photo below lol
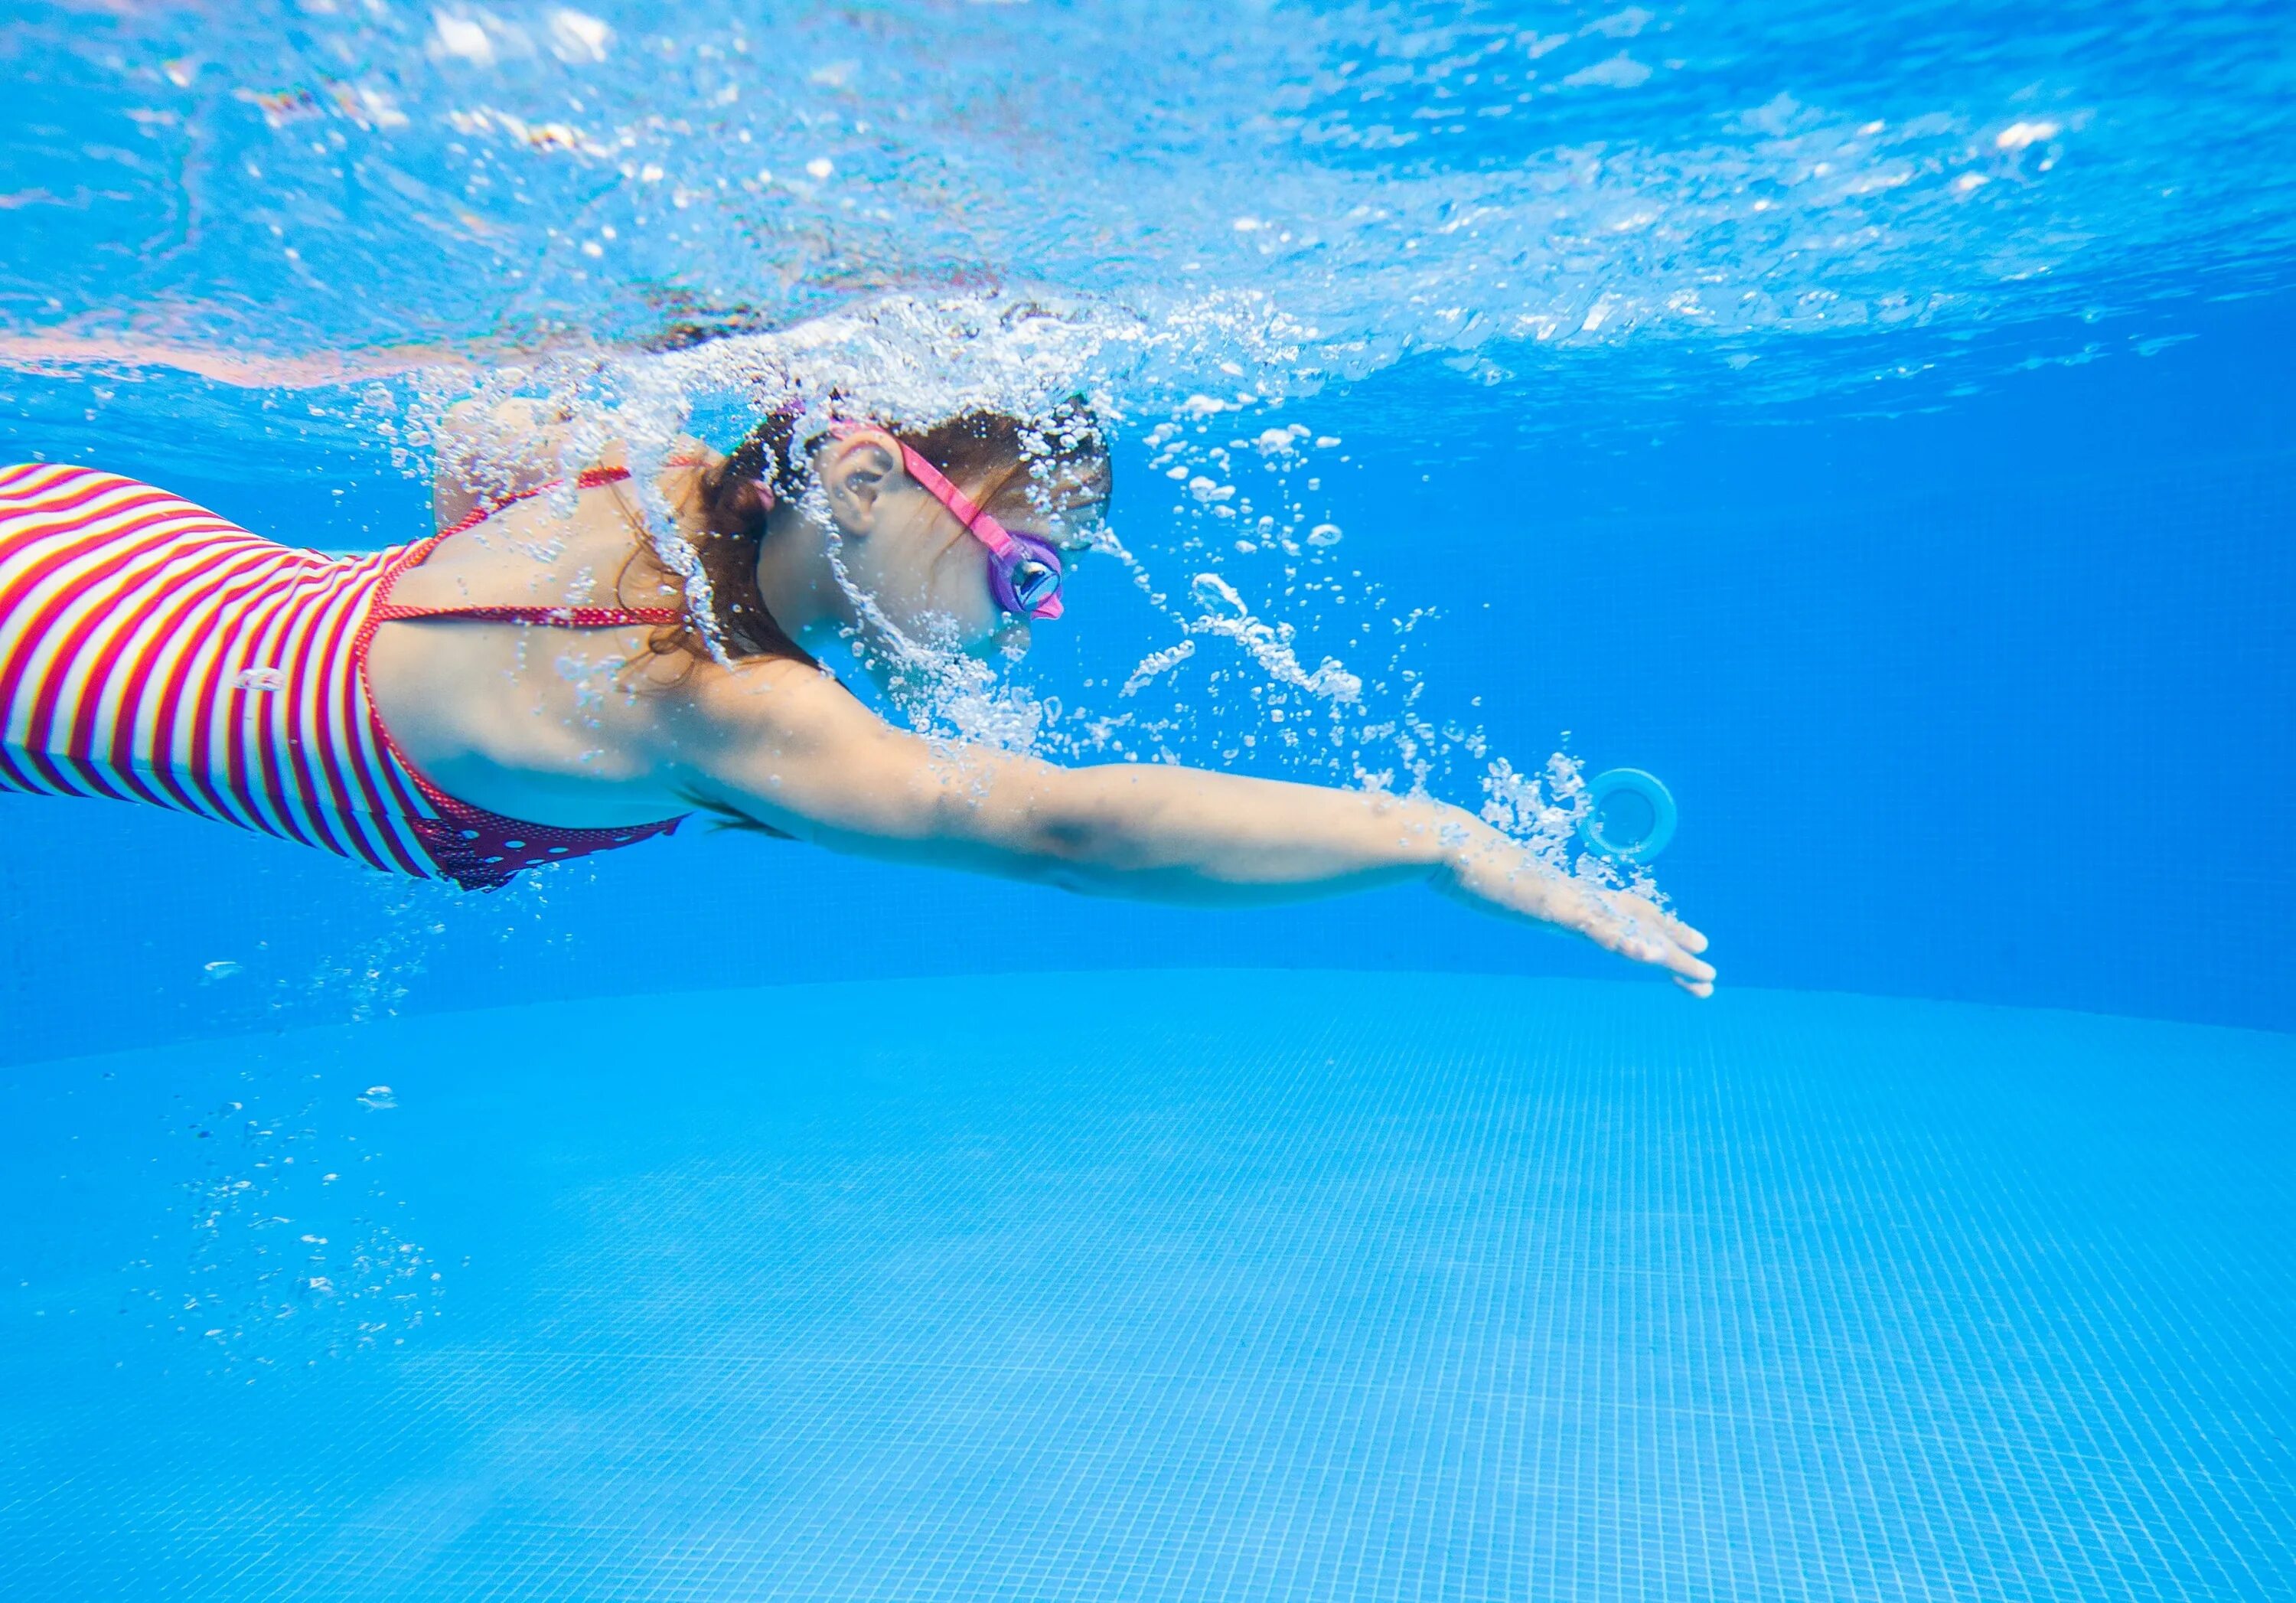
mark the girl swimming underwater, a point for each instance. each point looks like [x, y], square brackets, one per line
[546, 679]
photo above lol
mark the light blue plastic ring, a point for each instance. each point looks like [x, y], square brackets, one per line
[1600, 788]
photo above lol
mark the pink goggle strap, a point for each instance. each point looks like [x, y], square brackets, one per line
[977, 523]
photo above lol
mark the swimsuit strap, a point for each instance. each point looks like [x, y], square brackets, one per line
[388, 610]
[561, 617]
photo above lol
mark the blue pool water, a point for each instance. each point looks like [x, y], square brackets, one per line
[1873, 423]
[1238, 1286]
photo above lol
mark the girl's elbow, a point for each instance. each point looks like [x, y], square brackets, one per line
[1063, 840]
[1072, 836]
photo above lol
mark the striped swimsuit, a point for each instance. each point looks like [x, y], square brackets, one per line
[151, 651]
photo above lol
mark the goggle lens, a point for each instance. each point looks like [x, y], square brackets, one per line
[1034, 583]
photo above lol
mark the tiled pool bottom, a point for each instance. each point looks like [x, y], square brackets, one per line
[1219, 1285]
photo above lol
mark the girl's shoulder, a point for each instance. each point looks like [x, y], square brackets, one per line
[571, 547]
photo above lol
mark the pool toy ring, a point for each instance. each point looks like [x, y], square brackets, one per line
[1631, 782]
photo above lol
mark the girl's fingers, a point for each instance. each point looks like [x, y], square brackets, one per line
[1620, 922]
[1633, 928]
[1680, 963]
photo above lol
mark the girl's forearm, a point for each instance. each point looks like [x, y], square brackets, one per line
[1175, 834]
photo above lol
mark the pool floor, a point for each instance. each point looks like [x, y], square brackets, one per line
[1219, 1285]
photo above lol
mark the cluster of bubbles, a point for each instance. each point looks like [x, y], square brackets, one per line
[287, 1252]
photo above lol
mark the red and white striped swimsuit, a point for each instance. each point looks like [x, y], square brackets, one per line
[151, 651]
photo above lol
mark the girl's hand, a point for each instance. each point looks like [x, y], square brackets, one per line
[1493, 872]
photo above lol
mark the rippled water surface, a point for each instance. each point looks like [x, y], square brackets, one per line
[1296, 190]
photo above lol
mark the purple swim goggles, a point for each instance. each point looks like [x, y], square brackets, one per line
[1024, 572]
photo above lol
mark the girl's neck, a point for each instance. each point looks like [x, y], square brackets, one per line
[795, 578]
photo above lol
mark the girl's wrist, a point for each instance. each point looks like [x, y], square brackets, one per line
[1464, 844]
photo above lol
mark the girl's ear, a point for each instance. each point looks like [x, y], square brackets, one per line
[858, 470]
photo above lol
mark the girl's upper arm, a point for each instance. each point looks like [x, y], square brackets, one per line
[782, 742]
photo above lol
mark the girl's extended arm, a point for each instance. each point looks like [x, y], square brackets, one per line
[784, 744]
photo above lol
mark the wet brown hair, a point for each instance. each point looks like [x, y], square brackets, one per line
[999, 459]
